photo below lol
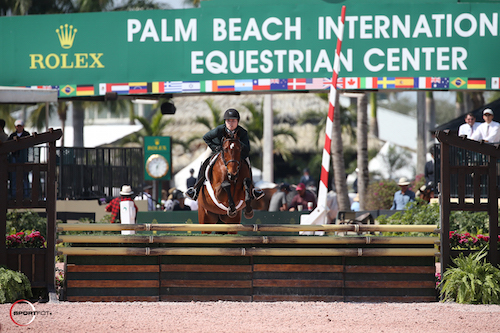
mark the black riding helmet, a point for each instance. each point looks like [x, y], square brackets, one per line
[231, 114]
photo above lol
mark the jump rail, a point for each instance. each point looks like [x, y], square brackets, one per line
[246, 239]
[211, 251]
[250, 227]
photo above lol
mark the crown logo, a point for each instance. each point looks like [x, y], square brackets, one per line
[157, 142]
[66, 36]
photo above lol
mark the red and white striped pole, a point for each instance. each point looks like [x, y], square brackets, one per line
[325, 164]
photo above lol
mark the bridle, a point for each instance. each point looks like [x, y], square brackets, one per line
[226, 163]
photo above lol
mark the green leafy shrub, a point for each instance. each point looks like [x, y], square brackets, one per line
[381, 194]
[472, 281]
[473, 222]
[426, 214]
[13, 286]
[27, 220]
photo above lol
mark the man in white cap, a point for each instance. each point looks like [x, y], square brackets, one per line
[403, 196]
[488, 131]
[114, 205]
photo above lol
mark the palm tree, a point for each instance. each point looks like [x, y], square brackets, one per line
[255, 128]
[373, 114]
[338, 161]
[362, 147]
[5, 111]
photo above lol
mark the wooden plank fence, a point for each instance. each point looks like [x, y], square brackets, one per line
[249, 268]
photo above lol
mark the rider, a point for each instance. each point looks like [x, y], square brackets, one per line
[213, 138]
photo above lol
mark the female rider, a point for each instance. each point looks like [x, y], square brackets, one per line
[213, 138]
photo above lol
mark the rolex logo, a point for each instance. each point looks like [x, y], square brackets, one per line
[66, 36]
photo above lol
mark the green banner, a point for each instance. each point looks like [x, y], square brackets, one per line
[227, 46]
[157, 158]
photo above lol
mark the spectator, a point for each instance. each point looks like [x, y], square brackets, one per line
[470, 125]
[429, 168]
[3, 135]
[114, 206]
[355, 184]
[488, 131]
[169, 203]
[403, 196]
[179, 201]
[426, 192]
[306, 178]
[146, 195]
[191, 180]
[19, 156]
[300, 200]
[355, 203]
[278, 200]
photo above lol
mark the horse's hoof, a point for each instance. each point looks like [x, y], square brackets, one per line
[249, 214]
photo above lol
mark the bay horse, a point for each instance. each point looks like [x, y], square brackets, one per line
[228, 185]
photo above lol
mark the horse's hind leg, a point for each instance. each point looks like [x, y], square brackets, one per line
[248, 198]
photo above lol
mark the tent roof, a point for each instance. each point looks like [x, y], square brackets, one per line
[455, 123]
[19, 95]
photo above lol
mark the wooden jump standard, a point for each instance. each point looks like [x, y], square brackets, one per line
[249, 268]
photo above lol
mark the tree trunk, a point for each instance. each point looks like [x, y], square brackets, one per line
[373, 114]
[338, 161]
[459, 104]
[421, 143]
[78, 117]
[477, 99]
[430, 115]
[362, 137]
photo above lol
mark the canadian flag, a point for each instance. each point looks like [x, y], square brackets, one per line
[351, 82]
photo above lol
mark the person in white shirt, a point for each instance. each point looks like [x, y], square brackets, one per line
[470, 125]
[488, 131]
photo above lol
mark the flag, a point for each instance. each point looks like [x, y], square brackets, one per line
[208, 86]
[351, 82]
[368, 83]
[279, 84]
[340, 83]
[495, 83]
[404, 82]
[156, 87]
[225, 85]
[172, 86]
[476, 83]
[243, 85]
[119, 88]
[458, 83]
[386, 82]
[190, 86]
[138, 87]
[102, 88]
[261, 84]
[327, 83]
[296, 84]
[316, 83]
[422, 83]
[68, 90]
[440, 82]
[85, 90]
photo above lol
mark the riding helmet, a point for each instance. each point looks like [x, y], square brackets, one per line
[231, 114]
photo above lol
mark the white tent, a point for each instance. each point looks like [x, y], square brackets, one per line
[181, 176]
[378, 164]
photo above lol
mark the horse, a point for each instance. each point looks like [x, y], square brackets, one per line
[228, 186]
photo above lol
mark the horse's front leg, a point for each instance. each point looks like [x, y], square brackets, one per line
[248, 198]
[226, 186]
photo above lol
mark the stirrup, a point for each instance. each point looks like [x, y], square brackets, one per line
[257, 193]
[192, 193]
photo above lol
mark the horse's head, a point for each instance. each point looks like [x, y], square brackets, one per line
[231, 155]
